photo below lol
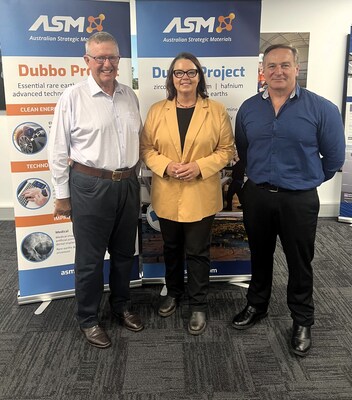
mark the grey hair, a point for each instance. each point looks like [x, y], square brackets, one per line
[293, 50]
[100, 37]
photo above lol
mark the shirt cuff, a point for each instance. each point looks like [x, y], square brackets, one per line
[62, 191]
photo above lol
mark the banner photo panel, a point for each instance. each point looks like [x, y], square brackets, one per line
[345, 214]
[224, 36]
[42, 54]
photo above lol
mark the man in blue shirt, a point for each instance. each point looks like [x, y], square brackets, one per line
[291, 141]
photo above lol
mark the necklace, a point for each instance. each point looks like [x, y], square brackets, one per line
[183, 106]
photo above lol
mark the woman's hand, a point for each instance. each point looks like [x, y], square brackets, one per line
[172, 168]
[184, 172]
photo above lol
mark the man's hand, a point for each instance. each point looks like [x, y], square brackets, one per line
[62, 207]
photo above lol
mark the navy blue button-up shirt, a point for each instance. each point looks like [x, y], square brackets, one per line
[297, 149]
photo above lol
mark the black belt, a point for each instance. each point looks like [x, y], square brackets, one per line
[116, 175]
[272, 188]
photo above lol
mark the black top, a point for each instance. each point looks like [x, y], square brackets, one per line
[184, 116]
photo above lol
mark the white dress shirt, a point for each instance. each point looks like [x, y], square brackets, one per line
[94, 129]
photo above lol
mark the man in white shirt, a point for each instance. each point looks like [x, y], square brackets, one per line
[93, 152]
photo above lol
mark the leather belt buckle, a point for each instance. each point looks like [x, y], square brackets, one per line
[116, 176]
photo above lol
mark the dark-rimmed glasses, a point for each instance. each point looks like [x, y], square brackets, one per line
[191, 73]
[102, 59]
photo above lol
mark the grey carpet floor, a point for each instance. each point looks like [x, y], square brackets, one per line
[45, 357]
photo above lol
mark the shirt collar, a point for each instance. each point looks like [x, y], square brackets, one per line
[295, 92]
[95, 88]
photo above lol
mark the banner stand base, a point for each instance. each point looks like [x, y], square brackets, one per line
[240, 284]
[42, 307]
[347, 220]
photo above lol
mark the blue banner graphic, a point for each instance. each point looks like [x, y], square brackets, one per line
[207, 28]
[60, 29]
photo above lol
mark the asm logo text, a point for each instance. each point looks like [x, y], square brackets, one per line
[190, 24]
[58, 23]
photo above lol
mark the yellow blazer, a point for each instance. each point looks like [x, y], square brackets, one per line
[209, 142]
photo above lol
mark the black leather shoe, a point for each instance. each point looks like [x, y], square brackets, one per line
[130, 321]
[248, 317]
[168, 306]
[301, 340]
[97, 337]
[197, 323]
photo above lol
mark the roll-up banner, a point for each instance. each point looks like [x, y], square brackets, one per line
[224, 35]
[42, 45]
[345, 214]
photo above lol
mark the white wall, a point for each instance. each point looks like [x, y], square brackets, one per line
[6, 200]
[327, 21]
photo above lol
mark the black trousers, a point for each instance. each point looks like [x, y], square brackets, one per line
[235, 187]
[291, 215]
[188, 244]
[105, 218]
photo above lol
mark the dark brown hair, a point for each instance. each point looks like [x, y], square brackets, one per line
[170, 88]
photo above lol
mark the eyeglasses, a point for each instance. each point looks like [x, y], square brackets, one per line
[101, 59]
[191, 73]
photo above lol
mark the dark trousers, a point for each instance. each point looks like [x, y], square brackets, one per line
[188, 243]
[291, 215]
[235, 187]
[105, 218]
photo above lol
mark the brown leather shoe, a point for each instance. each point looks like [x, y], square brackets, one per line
[197, 323]
[130, 321]
[167, 306]
[96, 336]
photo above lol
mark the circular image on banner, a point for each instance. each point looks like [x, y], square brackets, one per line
[152, 218]
[33, 193]
[29, 138]
[37, 246]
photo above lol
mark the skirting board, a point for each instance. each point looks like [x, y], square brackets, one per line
[329, 210]
[326, 210]
[7, 214]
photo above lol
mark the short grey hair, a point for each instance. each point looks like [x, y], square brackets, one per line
[100, 37]
[293, 50]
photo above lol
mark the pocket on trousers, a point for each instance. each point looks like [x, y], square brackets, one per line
[83, 181]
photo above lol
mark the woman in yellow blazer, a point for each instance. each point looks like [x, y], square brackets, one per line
[187, 139]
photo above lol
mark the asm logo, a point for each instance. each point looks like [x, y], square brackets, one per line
[190, 24]
[195, 24]
[58, 23]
